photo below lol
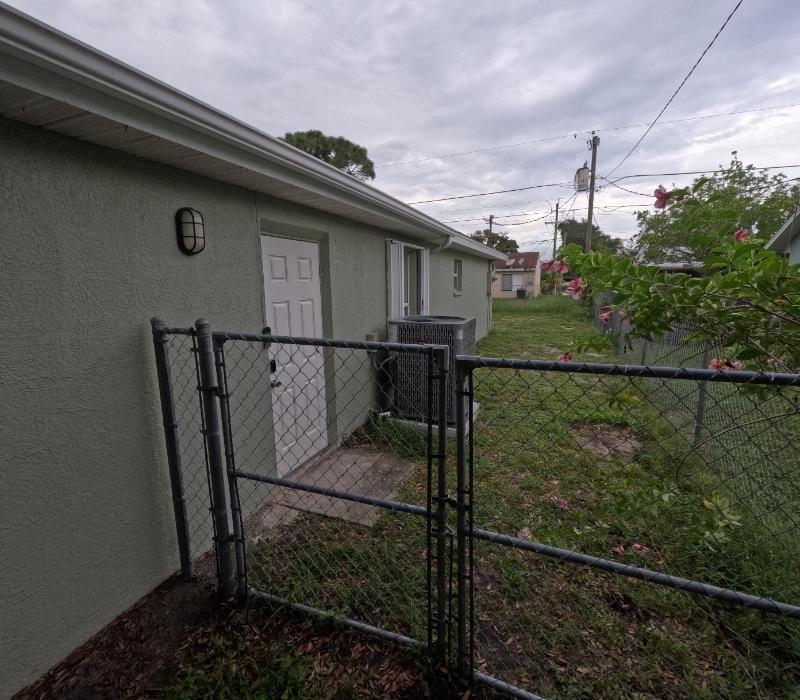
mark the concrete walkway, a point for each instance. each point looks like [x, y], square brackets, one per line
[362, 470]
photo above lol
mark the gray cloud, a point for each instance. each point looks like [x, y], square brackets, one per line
[411, 79]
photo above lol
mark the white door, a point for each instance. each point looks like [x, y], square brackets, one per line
[294, 307]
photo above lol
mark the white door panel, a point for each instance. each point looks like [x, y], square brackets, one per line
[294, 307]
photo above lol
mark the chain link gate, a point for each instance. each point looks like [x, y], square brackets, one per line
[324, 498]
[570, 471]
[321, 496]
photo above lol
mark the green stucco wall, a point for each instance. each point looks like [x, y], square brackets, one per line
[88, 255]
[473, 299]
[794, 251]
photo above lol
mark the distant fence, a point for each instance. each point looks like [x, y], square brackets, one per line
[700, 409]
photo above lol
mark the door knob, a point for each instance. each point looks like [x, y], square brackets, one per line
[273, 367]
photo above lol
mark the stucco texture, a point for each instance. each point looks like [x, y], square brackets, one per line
[794, 250]
[89, 254]
[474, 298]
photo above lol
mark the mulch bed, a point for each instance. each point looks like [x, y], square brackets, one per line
[141, 653]
[136, 655]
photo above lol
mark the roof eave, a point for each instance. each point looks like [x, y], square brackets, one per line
[782, 238]
[54, 64]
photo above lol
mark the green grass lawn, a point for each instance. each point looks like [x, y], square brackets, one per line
[593, 464]
[570, 632]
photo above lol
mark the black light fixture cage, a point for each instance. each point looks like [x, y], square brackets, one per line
[191, 230]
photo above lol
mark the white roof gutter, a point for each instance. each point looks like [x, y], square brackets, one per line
[44, 60]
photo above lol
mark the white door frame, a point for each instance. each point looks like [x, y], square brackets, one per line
[293, 306]
[395, 277]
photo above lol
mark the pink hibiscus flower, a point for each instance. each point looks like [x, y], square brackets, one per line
[662, 197]
[560, 267]
[566, 357]
[547, 266]
[605, 316]
[741, 235]
[724, 365]
[575, 288]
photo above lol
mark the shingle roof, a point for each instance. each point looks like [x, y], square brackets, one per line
[519, 261]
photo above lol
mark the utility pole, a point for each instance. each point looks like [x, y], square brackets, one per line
[555, 230]
[491, 221]
[593, 145]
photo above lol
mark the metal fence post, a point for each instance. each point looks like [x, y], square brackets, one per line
[643, 360]
[216, 472]
[700, 413]
[442, 359]
[230, 463]
[461, 528]
[170, 422]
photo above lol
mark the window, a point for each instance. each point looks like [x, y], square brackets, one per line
[517, 281]
[457, 279]
[411, 289]
[505, 283]
[408, 268]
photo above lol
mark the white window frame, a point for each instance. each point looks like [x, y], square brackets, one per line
[395, 278]
[458, 276]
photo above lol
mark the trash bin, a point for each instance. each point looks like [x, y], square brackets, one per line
[522, 294]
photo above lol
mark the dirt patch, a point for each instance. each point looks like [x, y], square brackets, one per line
[485, 576]
[143, 653]
[136, 654]
[607, 441]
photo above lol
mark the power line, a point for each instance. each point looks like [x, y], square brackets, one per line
[546, 214]
[522, 223]
[515, 203]
[476, 150]
[695, 172]
[624, 189]
[621, 177]
[486, 194]
[579, 132]
[678, 89]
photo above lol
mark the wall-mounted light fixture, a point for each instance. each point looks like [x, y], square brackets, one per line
[191, 233]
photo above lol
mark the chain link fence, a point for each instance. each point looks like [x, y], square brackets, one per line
[314, 470]
[582, 469]
[701, 409]
[592, 529]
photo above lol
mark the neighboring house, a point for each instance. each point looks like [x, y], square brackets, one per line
[787, 240]
[519, 271]
[97, 158]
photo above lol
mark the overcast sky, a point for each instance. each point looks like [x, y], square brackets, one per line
[415, 80]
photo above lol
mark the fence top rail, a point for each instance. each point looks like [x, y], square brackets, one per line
[737, 377]
[159, 326]
[330, 343]
[177, 331]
